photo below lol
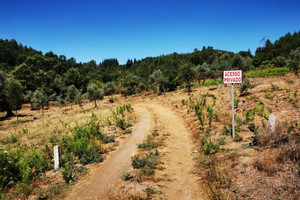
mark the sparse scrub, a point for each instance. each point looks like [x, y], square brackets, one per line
[269, 96]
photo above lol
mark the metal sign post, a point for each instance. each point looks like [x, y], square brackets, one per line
[232, 77]
[232, 100]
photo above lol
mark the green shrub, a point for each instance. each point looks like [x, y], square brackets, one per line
[120, 122]
[32, 164]
[236, 102]
[246, 84]
[250, 115]
[127, 175]
[269, 96]
[222, 141]
[9, 171]
[127, 131]
[68, 169]
[148, 143]
[150, 161]
[253, 128]
[111, 100]
[208, 146]
[138, 162]
[109, 139]
[209, 110]
[92, 154]
[213, 82]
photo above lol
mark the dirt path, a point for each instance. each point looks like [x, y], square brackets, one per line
[109, 172]
[178, 163]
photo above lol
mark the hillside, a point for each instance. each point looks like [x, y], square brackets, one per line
[217, 166]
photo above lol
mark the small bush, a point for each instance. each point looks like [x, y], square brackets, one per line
[109, 139]
[208, 146]
[127, 131]
[222, 141]
[253, 128]
[245, 86]
[138, 162]
[269, 96]
[127, 175]
[236, 103]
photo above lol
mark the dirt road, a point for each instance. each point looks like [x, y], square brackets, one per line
[178, 162]
[110, 171]
[182, 183]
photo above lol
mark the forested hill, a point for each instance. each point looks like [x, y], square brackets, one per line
[53, 75]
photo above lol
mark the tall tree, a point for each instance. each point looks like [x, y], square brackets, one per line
[14, 95]
[4, 105]
[295, 60]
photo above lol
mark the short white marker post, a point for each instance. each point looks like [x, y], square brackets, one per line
[56, 157]
[272, 122]
[234, 76]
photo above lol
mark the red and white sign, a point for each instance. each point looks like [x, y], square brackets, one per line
[234, 76]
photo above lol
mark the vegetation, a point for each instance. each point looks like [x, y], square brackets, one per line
[94, 93]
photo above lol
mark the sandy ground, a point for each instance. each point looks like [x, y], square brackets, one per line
[179, 164]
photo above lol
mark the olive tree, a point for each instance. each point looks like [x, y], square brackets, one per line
[159, 80]
[40, 100]
[202, 72]
[72, 92]
[130, 84]
[109, 88]
[78, 99]
[94, 93]
[187, 75]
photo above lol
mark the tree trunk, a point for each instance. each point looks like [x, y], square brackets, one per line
[189, 87]
[9, 113]
[95, 103]
[17, 115]
[42, 109]
[203, 81]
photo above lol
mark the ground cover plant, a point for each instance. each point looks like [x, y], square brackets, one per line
[23, 165]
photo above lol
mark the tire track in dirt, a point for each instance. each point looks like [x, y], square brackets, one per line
[108, 174]
[178, 165]
[178, 162]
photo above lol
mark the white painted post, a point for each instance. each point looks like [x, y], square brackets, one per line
[232, 97]
[56, 157]
[271, 123]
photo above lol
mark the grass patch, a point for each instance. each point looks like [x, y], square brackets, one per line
[268, 72]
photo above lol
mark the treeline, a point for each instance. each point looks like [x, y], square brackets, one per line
[57, 78]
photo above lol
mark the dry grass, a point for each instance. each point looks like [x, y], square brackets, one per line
[269, 170]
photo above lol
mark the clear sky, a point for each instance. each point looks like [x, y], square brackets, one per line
[125, 29]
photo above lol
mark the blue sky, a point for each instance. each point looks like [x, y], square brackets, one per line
[123, 29]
